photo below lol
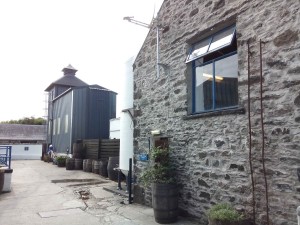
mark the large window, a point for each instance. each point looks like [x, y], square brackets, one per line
[215, 72]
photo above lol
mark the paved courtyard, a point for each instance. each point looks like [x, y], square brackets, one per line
[43, 193]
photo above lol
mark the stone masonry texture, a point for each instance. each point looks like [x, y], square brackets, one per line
[211, 151]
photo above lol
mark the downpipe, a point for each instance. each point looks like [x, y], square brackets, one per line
[298, 215]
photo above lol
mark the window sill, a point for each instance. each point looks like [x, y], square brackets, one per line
[239, 110]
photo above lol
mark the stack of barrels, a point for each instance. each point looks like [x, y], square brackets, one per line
[78, 155]
[113, 163]
[87, 165]
[103, 167]
[70, 164]
[96, 166]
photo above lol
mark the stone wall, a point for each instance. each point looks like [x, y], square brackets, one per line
[211, 152]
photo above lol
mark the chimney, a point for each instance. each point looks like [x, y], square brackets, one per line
[69, 70]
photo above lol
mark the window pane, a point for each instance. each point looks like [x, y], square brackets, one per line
[199, 49]
[226, 86]
[203, 88]
[222, 39]
[54, 126]
[58, 126]
[66, 123]
[49, 128]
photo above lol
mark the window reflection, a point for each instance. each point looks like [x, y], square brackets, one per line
[203, 95]
[222, 39]
[226, 90]
[199, 49]
[222, 74]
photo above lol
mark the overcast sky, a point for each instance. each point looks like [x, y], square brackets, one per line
[39, 38]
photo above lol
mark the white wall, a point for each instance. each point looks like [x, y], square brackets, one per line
[18, 151]
[126, 123]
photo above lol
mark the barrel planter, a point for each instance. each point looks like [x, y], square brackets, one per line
[103, 168]
[78, 151]
[61, 161]
[113, 163]
[95, 166]
[165, 202]
[225, 214]
[46, 157]
[241, 222]
[70, 164]
[7, 180]
[78, 164]
[1, 180]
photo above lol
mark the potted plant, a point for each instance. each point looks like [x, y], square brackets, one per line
[1, 179]
[225, 214]
[46, 158]
[161, 175]
[61, 160]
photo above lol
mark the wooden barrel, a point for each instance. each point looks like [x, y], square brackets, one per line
[70, 164]
[84, 165]
[78, 150]
[88, 165]
[165, 202]
[95, 165]
[103, 168]
[113, 163]
[78, 164]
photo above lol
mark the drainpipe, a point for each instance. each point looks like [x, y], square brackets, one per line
[71, 120]
[298, 215]
[157, 51]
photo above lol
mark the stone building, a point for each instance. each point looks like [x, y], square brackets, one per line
[198, 99]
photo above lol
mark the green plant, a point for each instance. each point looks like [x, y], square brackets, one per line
[160, 169]
[61, 160]
[225, 213]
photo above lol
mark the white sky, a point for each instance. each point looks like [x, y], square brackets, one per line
[38, 38]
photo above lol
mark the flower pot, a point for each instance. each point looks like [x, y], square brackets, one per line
[242, 222]
[7, 180]
[1, 180]
[46, 158]
[165, 202]
[61, 163]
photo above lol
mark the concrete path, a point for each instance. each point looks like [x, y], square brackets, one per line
[43, 193]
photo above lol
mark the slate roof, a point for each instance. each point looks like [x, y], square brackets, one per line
[69, 79]
[22, 132]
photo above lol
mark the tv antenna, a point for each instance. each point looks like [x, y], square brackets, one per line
[131, 20]
[158, 28]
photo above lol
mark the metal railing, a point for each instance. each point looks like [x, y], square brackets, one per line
[5, 156]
